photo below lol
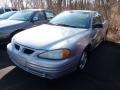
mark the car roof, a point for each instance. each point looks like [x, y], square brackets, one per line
[89, 11]
[33, 9]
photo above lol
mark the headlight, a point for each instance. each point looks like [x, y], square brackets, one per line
[55, 54]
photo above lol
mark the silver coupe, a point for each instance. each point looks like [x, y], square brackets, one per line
[59, 47]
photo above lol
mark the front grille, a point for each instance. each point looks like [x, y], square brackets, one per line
[23, 49]
[17, 47]
[28, 51]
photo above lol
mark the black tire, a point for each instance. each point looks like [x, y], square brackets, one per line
[83, 60]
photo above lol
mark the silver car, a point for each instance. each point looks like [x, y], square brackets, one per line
[59, 47]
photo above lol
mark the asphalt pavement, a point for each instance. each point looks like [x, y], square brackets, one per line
[102, 72]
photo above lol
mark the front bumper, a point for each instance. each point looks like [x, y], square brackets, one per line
[41, 67]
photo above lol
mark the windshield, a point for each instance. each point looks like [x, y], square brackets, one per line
[7, 15]
[22, 15]
[72, 19]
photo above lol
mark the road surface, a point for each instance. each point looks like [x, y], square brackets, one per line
[102, 72]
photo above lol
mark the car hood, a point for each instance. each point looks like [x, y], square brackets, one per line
[46, 35]
[8, 23]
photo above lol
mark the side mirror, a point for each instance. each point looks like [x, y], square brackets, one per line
[35, 19]
[97, 26]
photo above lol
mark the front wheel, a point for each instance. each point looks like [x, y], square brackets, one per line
[83, 60]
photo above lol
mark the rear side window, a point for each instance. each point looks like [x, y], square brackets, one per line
[1, 11]
[14, 9]
[6, 10]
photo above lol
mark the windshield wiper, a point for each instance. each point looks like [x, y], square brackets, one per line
[63, 25]
[66, 25]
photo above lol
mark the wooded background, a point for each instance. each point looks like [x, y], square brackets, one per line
[109, 8]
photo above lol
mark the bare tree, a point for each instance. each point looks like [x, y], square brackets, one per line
[109, 8]
[18, 4]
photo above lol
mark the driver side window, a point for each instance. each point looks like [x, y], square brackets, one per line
[39, 16]
[97, 20]
[49, 15]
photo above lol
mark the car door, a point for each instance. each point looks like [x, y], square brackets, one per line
[39, 18]
[97, 34]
